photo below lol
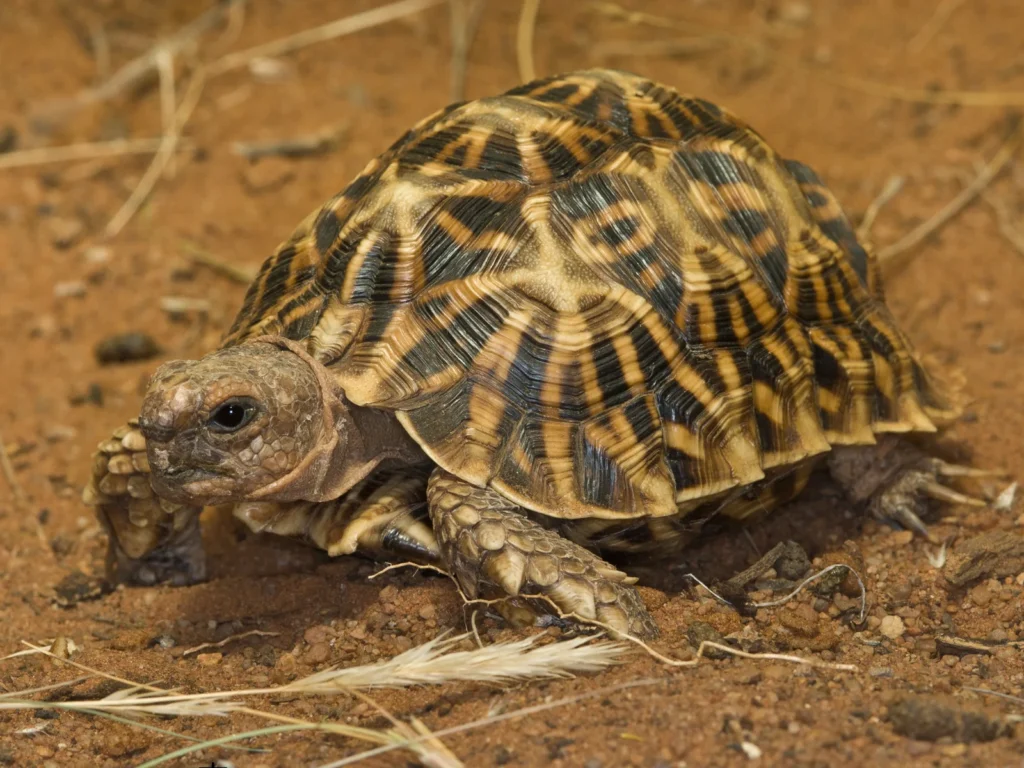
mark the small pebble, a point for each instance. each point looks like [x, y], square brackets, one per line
[64, 230]
[892, 627]
[427, 612]
[321, 633]
[8, 138]
[96, 255]
[209, 659]
[126, 347]
[69, 289]
[318, 653]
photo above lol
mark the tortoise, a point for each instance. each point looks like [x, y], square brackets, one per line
[567, 323]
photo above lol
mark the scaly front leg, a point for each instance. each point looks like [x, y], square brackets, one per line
[489, 545]
[152, 540]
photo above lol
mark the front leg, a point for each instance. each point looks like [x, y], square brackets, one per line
[383, 517]
[151, 540]
[488, 544]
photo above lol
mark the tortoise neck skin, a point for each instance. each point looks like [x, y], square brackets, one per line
[261, 421]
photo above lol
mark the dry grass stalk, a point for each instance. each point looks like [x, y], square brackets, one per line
[991, 170]
[465, 19]
[160, 160]
[140, 67]
[12, 479]
[330, 31]
[243, 275]
[688, 46]
[524, 40]
[437, 662]
[433, 663]
[927, 96]
[72, 152]
[939, 17]
[301, 146]
[893, 186]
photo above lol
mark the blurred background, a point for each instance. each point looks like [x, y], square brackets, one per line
[153, 152]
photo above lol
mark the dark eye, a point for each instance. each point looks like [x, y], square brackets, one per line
[232, 415]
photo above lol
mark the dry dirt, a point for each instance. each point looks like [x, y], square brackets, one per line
[776, 63]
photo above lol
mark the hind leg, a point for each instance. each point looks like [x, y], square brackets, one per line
[897, 481]
[491, 548]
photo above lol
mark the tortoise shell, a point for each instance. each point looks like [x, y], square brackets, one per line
[599, 297]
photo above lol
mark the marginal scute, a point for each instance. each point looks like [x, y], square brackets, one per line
[602, 299]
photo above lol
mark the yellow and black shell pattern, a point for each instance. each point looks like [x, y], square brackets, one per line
[599, 297]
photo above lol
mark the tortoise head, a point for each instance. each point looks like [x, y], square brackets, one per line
[262, 420]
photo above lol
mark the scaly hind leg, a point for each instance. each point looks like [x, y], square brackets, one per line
[897, 481]
[151, 540]
[491, 548]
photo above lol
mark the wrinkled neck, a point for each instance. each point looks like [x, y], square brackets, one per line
[372, 437]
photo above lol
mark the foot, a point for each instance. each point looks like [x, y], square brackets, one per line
[152, 540]
[490, 546]
[897, 481]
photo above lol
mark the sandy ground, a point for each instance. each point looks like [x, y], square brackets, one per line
[779, 64]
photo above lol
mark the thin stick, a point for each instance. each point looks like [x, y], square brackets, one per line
[139, 67]
[524, 40]
[892, 187]
[925, 96]
[88, 151]
[940, 16]
[231, 639]
[991, 170]
[168, 108]
[814, 577]
[156, 167]
[12, 479]
[241, 275]
[329, 31]
[988, 692]
[465, 21]
[300, 146]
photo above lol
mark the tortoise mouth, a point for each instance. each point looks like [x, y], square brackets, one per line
[189, 484]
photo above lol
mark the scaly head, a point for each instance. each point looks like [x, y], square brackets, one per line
[258, 421]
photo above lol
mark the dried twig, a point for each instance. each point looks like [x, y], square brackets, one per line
[140, 67]
[301, 146]
[991, 170]
[231, 639]
[12, 479]
[524, 40]
[243, 275]
[939, 17]
[929, 96]
[892, 187]
[465, 18]
[88, 151]
[329, 31]
[814, 577]
[687, 46]
[163, 155]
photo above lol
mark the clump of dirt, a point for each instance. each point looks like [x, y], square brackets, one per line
[941, 623]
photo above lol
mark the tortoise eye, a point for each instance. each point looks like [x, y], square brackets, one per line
[232, 415]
